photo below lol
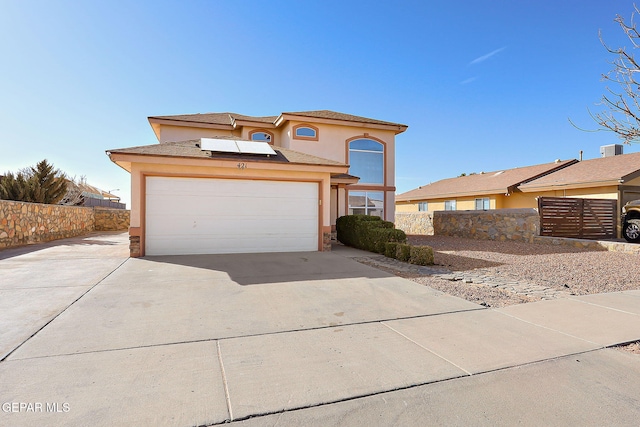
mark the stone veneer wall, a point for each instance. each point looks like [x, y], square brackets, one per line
[499, 224]
[23, 223]
[111, 219]
[415, 222]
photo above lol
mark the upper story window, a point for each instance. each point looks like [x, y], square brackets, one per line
[305, 132]
[366, 160]
[261, 135]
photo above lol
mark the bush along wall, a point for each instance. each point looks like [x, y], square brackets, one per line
[370, 233]
[375, 235]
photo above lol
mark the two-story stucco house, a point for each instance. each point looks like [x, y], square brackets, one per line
[230, 183]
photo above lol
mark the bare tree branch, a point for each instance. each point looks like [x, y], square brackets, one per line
[622, 108]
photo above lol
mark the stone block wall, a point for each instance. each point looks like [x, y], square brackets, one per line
[415, 222]
[23, 223]
[499, 224]
[111, 219]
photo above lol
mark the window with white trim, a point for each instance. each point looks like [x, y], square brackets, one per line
[423, 206]
[450, 205]
[483, 204]
[261, 136]
[306, 132]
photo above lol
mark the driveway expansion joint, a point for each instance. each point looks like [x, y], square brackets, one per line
[62, 311]
[224, 381]
[408, 387]
[427, 349]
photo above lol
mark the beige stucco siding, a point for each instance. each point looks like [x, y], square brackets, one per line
[182, 133]
[331, 144]
[462, 203]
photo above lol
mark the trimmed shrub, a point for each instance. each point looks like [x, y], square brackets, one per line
[421, 255]
[367, 232]
[391, 249]
[403, 252]
[380, 236]
[350, 228]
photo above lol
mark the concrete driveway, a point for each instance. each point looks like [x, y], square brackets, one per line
[95, 338]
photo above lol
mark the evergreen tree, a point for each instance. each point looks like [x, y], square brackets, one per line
[39, 184]
[48, 185]
[14, 187]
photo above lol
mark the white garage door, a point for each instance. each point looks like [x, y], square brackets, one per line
[213, 216]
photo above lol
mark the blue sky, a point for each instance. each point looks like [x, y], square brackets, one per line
[483, 85]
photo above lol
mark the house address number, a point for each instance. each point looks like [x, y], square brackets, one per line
[242, 165]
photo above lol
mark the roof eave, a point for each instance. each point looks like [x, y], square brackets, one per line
[568, 185]
[239, 123]
[187, 123]
[397, 128]
[129, 158]
[419, 198]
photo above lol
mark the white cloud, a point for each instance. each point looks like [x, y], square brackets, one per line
[469, 80]
[487, 56]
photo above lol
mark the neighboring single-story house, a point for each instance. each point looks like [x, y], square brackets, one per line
[615, 176]
[230, 183]
[82, 194]
[611, 177]
[481, 191]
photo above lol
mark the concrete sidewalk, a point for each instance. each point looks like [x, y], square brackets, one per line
[315, 339]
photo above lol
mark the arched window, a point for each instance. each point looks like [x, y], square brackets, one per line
[305, 132]
[366, 160]
[261, 135]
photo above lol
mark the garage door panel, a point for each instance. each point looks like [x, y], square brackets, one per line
[181, 205]
[198, 216]
[229, 245]
[222, 188]
[252, 225]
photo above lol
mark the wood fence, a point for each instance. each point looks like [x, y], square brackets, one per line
[579, 218]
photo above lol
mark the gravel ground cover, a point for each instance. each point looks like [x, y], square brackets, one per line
[578, 271]
[634, 347]
[569, 270]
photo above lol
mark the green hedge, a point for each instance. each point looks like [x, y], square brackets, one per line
[390, 249]
[421, 255]
[403, 252]
[367, 232]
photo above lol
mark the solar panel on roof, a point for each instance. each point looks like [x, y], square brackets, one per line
[219, 145]
[233, 146]
[254, 147]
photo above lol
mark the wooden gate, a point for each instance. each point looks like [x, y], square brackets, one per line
[578, 218]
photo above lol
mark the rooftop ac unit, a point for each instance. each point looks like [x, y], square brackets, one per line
[610, 150]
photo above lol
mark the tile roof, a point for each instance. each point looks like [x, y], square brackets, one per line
[227, 118]
[189, 149]
[613, 168]
[483, 183]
